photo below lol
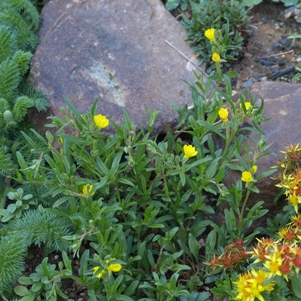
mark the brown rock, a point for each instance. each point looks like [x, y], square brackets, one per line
[116, 51]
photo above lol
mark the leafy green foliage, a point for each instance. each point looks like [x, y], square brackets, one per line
[256, 2]
[46, 281]
[147, 205]
[173, 4]
[229, 17]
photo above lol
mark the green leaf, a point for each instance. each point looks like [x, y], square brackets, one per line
[172, 4]
[211, 128]
[132, 288]
[125, 181]
[25, 280]
[61, 201]
[194, 247]
[211, 170]
[21, 291]
[294, 36]
[251, 2]
[28, 298]
[296, 285]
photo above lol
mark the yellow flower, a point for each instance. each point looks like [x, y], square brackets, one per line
[87, 189]
[189, 151]
[99, 275]
[254, 168]
[223, 114]
[216, 57]
[294, 201]
[101, 121]
[247, 176]
[247, 105]
[209, 34]
[250, 286]
[274, 263]
[114, 267]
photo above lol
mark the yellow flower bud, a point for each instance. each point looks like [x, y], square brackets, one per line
[99, 275]
[87, 189]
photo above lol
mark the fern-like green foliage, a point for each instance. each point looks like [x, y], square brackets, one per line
[41, 227]
[6, 162]
[8, 43]
[19, 23]
[12, 252]
[10, 79]
[22, 18]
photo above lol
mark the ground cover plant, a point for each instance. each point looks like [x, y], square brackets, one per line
[134, 209]
[138, 213]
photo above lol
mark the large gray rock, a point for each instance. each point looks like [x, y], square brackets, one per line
[115, 50]
[282, 103]
[283, 106]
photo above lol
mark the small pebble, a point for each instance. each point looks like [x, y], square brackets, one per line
[264, 78]
[266, 62]
[298, 59]
[276, 46]
[277, 26]
[248, 83]
[282, 41]
[56, 257]
[281, 63]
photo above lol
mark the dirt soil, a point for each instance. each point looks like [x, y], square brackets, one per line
[268, 49]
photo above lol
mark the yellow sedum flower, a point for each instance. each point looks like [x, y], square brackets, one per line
[209, 34]
[294, 201]
[223, 114]
[273, 264]
[251, 285]
[189, 151]
[216, 57]
[247, 177]
[254, 168]
[101, 121]
[87, 189]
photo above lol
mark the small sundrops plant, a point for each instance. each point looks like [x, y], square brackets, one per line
[140, 214]
[224, 22]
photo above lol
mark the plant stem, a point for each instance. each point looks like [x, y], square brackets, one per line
[241, 214]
